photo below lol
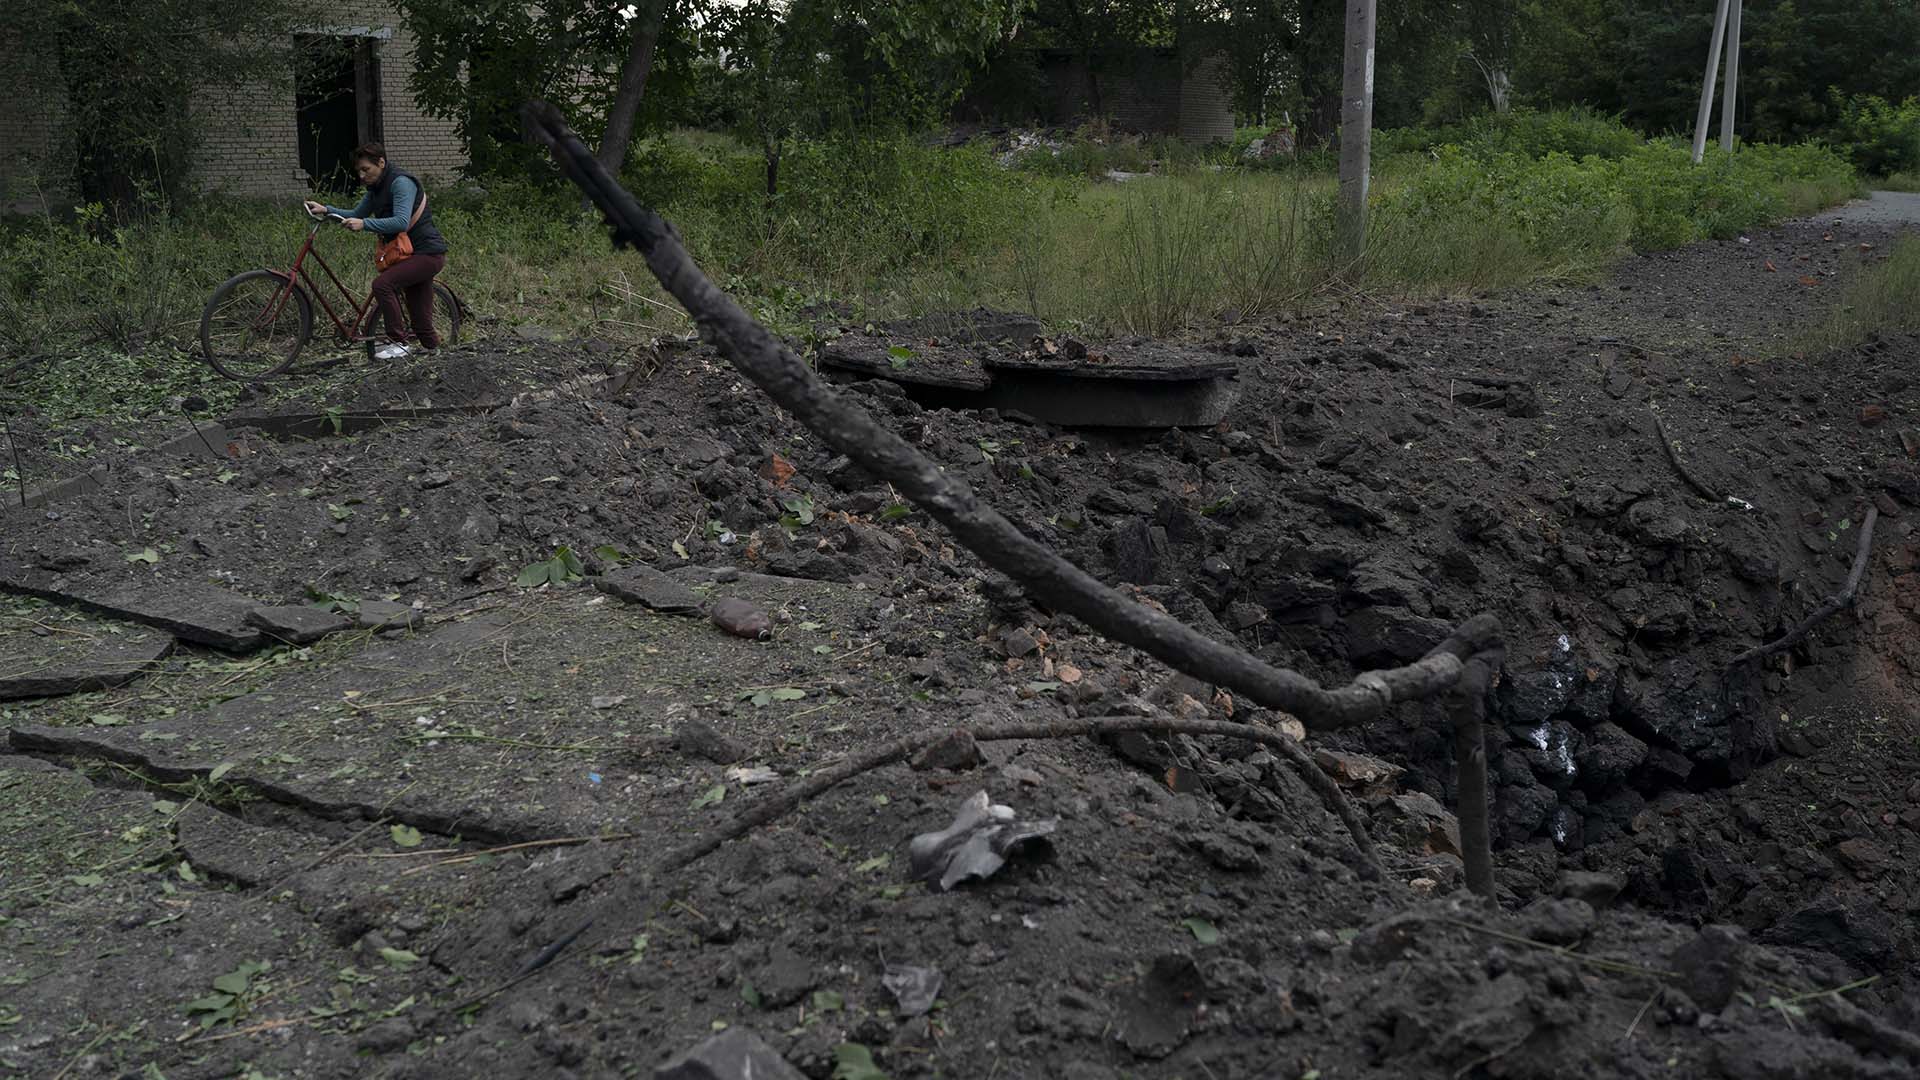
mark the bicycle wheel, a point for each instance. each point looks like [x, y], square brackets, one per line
[447, 315]
[255, 325]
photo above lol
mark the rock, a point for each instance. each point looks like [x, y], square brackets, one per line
[1131, 552]
[741, 618]
[1609, 758]
[1712, 966]
[298, 624]
[1385, 940]
[1420, 823]
[651, 589]
[1864, 857]
[429, 481]
[700, 739]
[479, 527]
[734, 1054]
[1158, 1016]
[386, 1036]
[956, 752]
[1858, 932]
[1018, 642]
[784, 979]
[1596, 889]
[380, 615]
[1561, 921]
[1353, 770]
[1389, 636]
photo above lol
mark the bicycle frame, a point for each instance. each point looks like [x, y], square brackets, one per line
[359, 309]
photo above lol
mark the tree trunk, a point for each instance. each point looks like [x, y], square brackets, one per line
[633, 84]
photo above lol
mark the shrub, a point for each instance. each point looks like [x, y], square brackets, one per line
[1877, 136]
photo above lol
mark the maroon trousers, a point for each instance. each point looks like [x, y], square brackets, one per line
[414, 277]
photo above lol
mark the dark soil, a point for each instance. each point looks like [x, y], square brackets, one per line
[1388, 471]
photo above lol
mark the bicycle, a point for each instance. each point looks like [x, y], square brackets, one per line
[256, 322]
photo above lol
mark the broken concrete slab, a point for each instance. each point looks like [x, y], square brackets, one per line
[1194, 394]
[643, 585]
[297, 624]
[202, 614]
[494, 711]
[915, 363]
[734, 1054]
[77, 661]
[229, 849]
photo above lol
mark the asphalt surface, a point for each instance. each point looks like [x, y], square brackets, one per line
[1880, 208]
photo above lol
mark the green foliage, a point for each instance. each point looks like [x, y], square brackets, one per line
[1576, 133]
[1879, 137]
[563, 567]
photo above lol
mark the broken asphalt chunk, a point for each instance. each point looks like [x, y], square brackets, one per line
[977, 844]
[650, 589]
[198, 613]
[297, 624]
[111, 662]
[387, 615]
[734, 1054]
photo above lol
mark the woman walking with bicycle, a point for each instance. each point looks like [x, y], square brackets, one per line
[410, 249]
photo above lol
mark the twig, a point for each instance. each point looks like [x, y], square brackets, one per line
[1052, 580]
[327, 854]
[1641, 1015]
[1617, 966]
[84, 1051]
[1470, 765]
[559, 841]
[264, 1025]
[1842, 599]
[1673, 455]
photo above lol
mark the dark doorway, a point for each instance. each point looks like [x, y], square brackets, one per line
[337, 106]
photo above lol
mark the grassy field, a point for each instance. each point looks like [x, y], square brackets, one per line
[879, 226]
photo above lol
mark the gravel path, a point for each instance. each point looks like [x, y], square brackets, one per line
[1881, 208]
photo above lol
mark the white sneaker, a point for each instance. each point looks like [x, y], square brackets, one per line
[391, 352]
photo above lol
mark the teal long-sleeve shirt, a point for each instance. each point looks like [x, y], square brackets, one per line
[404, 193]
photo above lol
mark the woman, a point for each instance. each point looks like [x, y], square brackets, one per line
[387, 210]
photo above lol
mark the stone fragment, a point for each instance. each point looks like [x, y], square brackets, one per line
[651, 589]
[297, 624]
[734, 1054]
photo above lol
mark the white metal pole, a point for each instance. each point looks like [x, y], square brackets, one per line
[1356, 128]
[1706, 85]
[1731, 93]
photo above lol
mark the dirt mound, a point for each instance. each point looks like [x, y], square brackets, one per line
[1383, 474]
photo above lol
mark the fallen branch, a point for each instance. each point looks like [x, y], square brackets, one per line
[846, 427]
[779, 803]
[1842, 599]
[1470, 766]
[793, 795]
[1673, 455]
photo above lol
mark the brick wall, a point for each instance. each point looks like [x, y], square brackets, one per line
[249, 135]
[35, 155]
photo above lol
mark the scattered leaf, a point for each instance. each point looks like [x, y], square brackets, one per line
[749, 994]
[106, 719]
[878, 862]
[680, 549]
[1203, 931]
[145, 555]
[405, 836]
[399, 958]
[87, 881]
[853, 1061]
[219, 771]
[899, 356]
[710, 797]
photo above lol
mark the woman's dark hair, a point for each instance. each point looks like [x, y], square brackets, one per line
[370, 152]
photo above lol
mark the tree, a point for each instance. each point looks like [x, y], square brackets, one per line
[645, 22]
[132, 72]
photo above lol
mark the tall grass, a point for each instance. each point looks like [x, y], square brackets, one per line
[1881, 299]
[872, 226]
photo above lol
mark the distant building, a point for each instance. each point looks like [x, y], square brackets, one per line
[1152, 91]
[264, 142]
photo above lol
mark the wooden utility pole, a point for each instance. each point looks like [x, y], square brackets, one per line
[1706, 85]
[1356, 129]
[1732, 91]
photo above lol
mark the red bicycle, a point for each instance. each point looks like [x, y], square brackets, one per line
[258, 321]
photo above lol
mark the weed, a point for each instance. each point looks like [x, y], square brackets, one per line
[1879, 300]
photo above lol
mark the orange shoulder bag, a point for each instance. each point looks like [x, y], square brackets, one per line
[390, 252]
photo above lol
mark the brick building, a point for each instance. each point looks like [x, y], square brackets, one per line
[265, 142]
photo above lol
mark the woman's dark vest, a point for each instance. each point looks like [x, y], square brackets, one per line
[426, 239]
